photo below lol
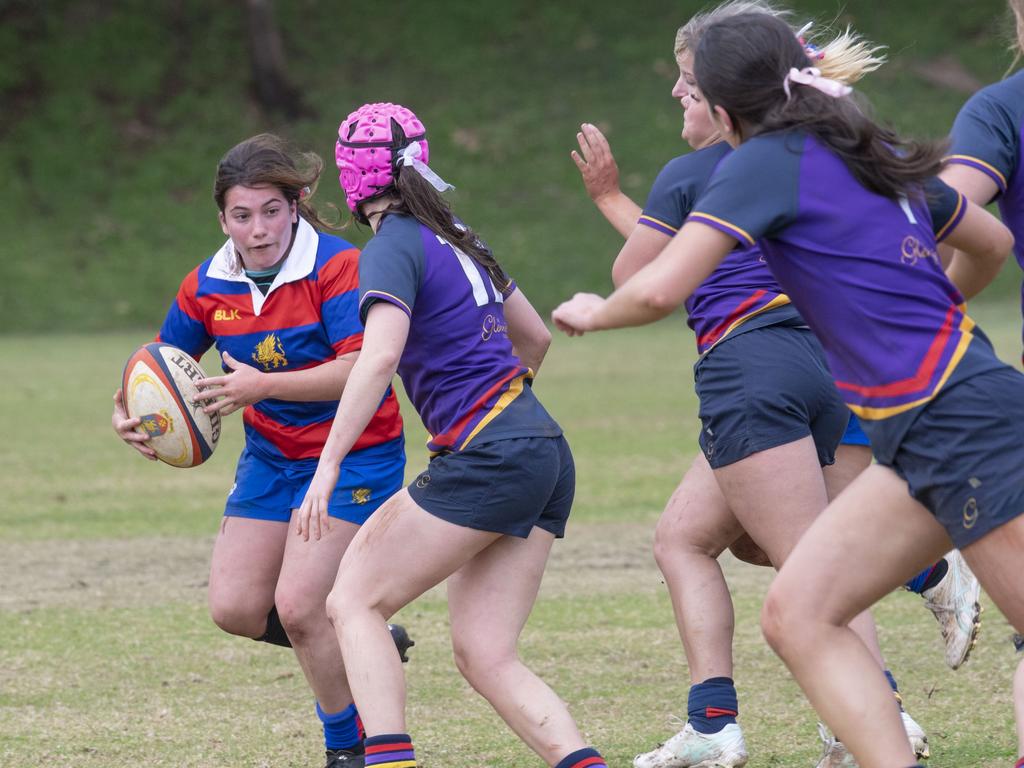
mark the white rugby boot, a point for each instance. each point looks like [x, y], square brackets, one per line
[918, 738]
[836, 755]
[954, 602]
[691, 749]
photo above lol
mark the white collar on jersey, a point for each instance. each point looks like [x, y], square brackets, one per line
[299, 263]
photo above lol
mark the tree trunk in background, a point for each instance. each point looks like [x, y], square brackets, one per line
[270, 79]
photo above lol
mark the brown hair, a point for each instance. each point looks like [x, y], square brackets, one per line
[415, 196]
[268, 160]
[741, 65]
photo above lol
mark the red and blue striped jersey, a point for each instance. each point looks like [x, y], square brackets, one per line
[741, 294]
[309, 316]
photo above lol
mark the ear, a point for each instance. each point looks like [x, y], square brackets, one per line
[223, 223]
[723, 121]
[295, 211]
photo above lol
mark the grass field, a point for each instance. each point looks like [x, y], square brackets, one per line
[108, 658]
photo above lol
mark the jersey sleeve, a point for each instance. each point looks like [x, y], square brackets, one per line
[339, 292]
[946, 206]
[185, 326]
[735, 201]
[671, 197]
[983, 137]
[391, 267]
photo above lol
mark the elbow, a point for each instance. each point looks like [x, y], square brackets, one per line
[381, 362]
[660, 302]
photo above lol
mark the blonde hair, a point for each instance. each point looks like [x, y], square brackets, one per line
[1017, 46]
[847, 57]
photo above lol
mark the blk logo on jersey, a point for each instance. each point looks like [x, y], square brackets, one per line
[226, 314]
[269, 353]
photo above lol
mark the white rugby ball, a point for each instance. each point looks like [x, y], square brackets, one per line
[159, 388]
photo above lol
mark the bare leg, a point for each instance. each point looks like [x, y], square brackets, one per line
[489, 600]
[776, 495]
[824, 585]
[243, 574]
[307, 575]
[695, 527]
[369, 589]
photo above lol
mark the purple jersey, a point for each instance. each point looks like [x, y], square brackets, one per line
[741, 294]
[861, 268]
[987, 135]
[458, 366]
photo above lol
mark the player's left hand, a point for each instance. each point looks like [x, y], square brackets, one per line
[244, 386]
[312, 515]
[596, 163]
[575, 316]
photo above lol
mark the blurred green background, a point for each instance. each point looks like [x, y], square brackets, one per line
[113, 116]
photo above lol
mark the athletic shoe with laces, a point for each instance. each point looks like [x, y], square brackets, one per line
[691, 749]
[836, 755]
[954, 602]
[345, 758]
[402, 640]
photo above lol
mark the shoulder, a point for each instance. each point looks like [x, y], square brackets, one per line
[1005, 95]
[697, 166]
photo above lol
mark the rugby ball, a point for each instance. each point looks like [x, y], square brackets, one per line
[159, 388]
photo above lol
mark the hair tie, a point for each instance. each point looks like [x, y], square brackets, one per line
[812, 76]
[410, 155]
[813, 52]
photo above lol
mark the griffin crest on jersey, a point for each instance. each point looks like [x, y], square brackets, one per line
[269, 353]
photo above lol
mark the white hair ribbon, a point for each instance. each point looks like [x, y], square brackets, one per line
[812, 76]
[411, 156]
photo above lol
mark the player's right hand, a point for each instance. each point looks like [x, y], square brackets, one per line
[596, 163]
[125, 428]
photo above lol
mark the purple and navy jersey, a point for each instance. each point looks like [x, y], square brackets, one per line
[741, 294]
[458, 366]
[861, 268]
[309, 316]
[987, 135]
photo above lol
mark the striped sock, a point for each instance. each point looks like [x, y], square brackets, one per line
[588, 757]
[712, 705]
[1019, 763]
[340, 730]
[390, 750]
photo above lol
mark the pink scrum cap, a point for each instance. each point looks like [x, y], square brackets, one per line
[369, 148]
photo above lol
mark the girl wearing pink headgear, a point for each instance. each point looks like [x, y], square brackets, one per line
[440, 310]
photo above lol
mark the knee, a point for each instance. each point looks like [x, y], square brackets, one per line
[480, 661]
[780, 621]
[674, 540]
[299, 614]
[238, 618]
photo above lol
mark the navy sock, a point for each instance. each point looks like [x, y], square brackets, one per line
[588, 757]
[712, 705]
[895, 688]
[340, 729]
[929, 577]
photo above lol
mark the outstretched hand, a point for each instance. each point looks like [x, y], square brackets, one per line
[244, 386]
[575, 316]
[312, 515]
[596, 163]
